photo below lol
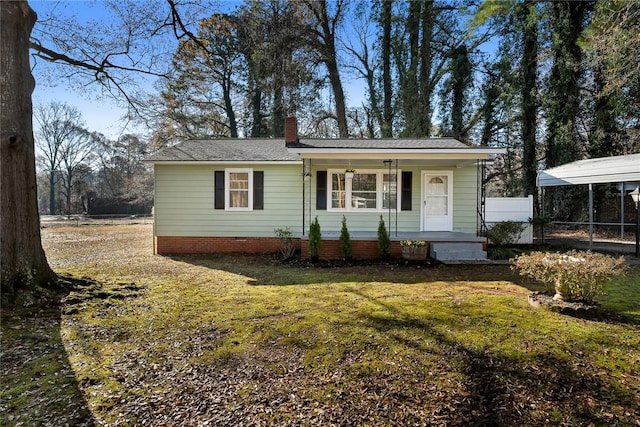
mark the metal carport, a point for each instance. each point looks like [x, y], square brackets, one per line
[602, 170]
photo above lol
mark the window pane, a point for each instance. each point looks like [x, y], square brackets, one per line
[239, 199]
[338, 191]
[389, 191]
[239, 190]
[363, 191]
[239, 180]
[437, 186]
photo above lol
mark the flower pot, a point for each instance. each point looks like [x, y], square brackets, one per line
[414, 253]
[348, 175]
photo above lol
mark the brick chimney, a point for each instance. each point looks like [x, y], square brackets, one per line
[290, 131]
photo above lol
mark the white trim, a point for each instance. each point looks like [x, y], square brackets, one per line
[449, 175]
[227, 181]
[431, 154]
[348, 188]
[399, 151]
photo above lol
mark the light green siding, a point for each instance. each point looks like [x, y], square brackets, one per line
[465, 199]
[184, 202]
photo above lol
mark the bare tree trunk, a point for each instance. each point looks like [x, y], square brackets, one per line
[386, 126]
[529, 103]
[24, 265]
[323, 39]
[52, 192]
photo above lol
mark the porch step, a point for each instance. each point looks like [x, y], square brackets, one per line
[458, 251]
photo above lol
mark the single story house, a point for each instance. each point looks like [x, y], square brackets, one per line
[229, 195]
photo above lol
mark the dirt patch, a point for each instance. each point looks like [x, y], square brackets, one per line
[572, 308]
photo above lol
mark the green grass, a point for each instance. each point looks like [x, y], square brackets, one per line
[244, 339]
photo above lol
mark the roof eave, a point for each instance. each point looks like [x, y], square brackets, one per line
[377, 153]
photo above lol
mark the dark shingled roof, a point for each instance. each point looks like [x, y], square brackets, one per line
[275, 150]
[381, 144]
[231, 150]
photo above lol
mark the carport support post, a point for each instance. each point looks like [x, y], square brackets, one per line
[622, 188]
[637, 230]
[635, 195]
[590, 216]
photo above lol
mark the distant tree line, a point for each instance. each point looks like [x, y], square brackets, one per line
[83, 172]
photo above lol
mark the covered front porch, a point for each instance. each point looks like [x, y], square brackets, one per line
[441, 245]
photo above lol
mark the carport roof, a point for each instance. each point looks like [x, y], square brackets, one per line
[593, 171]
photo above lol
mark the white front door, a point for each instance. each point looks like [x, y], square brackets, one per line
[437, 201]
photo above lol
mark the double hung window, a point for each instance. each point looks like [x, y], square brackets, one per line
[238, 191]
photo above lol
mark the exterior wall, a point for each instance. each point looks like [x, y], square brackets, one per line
[187, 222]
[465, 199]
[464, 203]
[184, 202]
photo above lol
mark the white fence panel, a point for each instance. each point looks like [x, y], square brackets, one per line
[518, 209]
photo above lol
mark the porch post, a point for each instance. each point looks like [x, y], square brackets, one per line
[304, 188]
[542, 210]
[388, 163]
[397, 186]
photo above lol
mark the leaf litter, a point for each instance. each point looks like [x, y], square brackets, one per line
[230, 366]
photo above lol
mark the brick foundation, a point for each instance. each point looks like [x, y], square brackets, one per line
[205, 245]
[360, 249]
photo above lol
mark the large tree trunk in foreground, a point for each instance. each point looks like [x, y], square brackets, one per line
[24, 265]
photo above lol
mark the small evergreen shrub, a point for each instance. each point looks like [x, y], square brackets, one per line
[315, 240]
[287, 248]
[383, 239]
[345, 240]
[573, 275]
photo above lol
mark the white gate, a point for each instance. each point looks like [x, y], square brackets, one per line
[518, 209]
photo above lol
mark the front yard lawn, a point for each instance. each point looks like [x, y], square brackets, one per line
[235, 340]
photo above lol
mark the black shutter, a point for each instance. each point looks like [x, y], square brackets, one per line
[405, 201]
[219, 190]
[258, 190]
[321, 190]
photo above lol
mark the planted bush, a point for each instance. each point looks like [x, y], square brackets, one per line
[286, 248]
[345, 240]
[501, 236]
[505, 233]
[383, 239]
[315, 240]
[573, 275]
